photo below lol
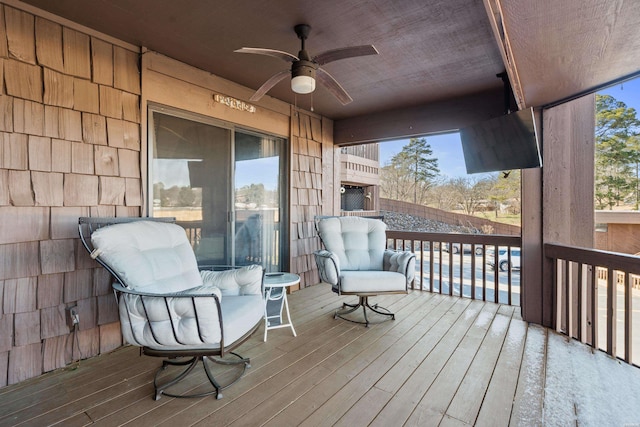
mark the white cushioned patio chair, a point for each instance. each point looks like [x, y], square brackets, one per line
[355, 261]
[168, 306]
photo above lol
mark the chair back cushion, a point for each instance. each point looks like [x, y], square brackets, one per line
[358, 242]
[149, 256]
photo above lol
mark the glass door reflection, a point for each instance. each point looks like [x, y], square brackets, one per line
[258, 200]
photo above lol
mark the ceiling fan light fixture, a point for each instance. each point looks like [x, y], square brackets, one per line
[303, 77]
[303, 84]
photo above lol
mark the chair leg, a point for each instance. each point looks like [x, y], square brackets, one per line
[352, 308]
[161, 389]
[363, 301]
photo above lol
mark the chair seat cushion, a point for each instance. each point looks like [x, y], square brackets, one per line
[372, 281]
[240, 314]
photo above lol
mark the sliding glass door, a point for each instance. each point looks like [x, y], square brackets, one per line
[223, 185]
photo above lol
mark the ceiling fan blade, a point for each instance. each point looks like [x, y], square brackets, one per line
[333, 86]
[285, 56]
[266, 86]
[345, 52]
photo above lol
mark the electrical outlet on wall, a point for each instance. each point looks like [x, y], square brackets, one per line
[73, 318]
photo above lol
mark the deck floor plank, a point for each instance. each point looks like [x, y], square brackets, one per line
[348, 395]
[454, 326]
[270, 391]
[367, 349]
[441, 392]
[444, 361]
[435, 326]
[303, 345]
[527, 408]
[497, 403]
[191, 411]
[468, 398]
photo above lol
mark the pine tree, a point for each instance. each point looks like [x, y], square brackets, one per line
[418, 166]
[617, 158]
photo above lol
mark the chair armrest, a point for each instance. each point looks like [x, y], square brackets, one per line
[198, 291]
[246, 280]
[189, 317]
[328, 267]
[402, 262]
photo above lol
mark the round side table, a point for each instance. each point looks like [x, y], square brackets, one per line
[275, 285]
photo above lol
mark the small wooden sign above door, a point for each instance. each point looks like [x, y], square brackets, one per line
[236, 104]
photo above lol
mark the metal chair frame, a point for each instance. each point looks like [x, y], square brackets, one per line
[363, 297]
[86, 226]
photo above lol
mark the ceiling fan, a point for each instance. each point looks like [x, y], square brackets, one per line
[305, 69]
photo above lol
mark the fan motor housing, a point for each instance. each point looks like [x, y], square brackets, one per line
[304, 68]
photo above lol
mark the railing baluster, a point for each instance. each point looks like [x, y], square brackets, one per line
[496, 269]
[580, 305]
[461, 269]
[611, 313]
[431, 264]
[509, 276]
[594, 307]
[450, 270]
[440, 268]
[628, 309]
[473, 272]
[420, 268]
[567, 298]
[556, 304]
[509, 279]
[484, 274]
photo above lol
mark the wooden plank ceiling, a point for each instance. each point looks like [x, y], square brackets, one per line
[430, 52]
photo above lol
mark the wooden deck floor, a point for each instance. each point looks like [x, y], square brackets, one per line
[444, 361]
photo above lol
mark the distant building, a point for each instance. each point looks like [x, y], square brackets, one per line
[360, 178]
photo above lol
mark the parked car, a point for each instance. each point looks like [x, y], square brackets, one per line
[467, 248]
[503, 259]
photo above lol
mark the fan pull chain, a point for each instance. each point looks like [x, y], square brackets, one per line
[312, 102]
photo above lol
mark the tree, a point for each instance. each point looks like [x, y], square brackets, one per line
[394, 183]
[471, 192]
[186, 197]
[505, 190]
[617, 159]
[411, 172]
[254, 193]
[443, 196]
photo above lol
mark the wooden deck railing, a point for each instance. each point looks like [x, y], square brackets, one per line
[457, 264]
[591, 305]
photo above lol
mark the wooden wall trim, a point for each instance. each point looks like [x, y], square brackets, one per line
[494, 13]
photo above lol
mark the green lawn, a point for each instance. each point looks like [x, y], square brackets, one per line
[503, 218]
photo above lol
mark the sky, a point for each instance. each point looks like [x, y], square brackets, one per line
[447, 148]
